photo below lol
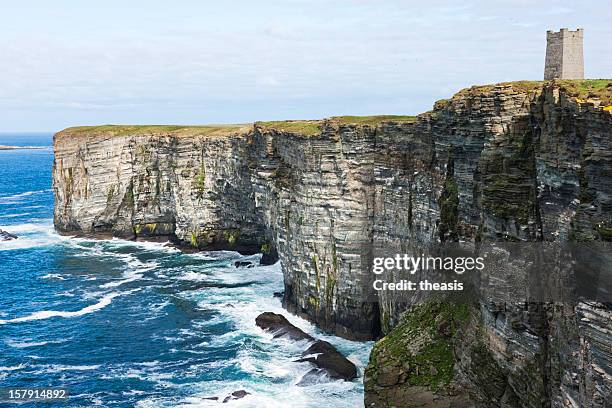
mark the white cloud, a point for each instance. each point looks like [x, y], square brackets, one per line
[211, 62]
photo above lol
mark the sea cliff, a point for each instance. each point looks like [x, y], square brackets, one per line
[520, 162]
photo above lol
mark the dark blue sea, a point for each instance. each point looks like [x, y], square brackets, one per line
[125, 324]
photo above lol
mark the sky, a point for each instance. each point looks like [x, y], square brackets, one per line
[66, 63]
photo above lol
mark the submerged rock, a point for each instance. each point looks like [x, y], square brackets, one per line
[236, 395]
[312, 377]
[324, 356]
[6, 236]
[280, 326]
[244, 264]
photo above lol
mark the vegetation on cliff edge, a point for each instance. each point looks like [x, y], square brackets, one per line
[302, 127]
[422, 343]
[372, 120]
[581, 89]
[175, 130]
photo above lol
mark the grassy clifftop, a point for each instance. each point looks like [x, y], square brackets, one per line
[589, 89]
[582, 90]
[304, 127]
[313, 127]
[176, 130]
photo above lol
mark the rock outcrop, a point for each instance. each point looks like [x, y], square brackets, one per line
[325, 357]
[236, 395]
[517, 162]
[6, 236]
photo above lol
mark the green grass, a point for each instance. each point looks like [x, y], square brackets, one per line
[373, 120]
[302, 127]
[126, 130]
[516, 86]
[589, 89]
[578, 88]
[313, 127]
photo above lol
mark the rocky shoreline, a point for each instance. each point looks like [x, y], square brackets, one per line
[326, 359]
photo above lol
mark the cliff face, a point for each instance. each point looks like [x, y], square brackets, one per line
[514, 162]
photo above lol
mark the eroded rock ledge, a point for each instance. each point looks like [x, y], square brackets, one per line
[523, 161]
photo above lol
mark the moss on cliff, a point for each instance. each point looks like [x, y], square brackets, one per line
[231, 236]
[420, 346]
[521, 208]
[605, 231]
[199, 182]
[449, 206]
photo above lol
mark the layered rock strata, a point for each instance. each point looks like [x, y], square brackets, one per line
[512, 162]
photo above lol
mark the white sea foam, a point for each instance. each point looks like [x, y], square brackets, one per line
[15, 198]
[216, 255]
[135, 270]
[14, 215]
[194, 276]
[27, 343]
[31, 235]
[284, 395]
[53, 276]
[129, 277]
[13, 368]
[60, 367]
[270, 363]
[146, 245]
[46, 314]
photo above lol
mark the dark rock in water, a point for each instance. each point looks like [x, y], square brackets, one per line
[279, 294]
[6, 236]
[244, 264]
[320, 353]
[211, 398]
[325, 356]
[314, 376]
[236, 395]
[269, 257]
[280, 326]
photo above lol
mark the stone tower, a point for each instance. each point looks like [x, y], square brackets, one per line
[564, 57]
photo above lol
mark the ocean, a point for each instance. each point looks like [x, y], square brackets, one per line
[129, 324]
